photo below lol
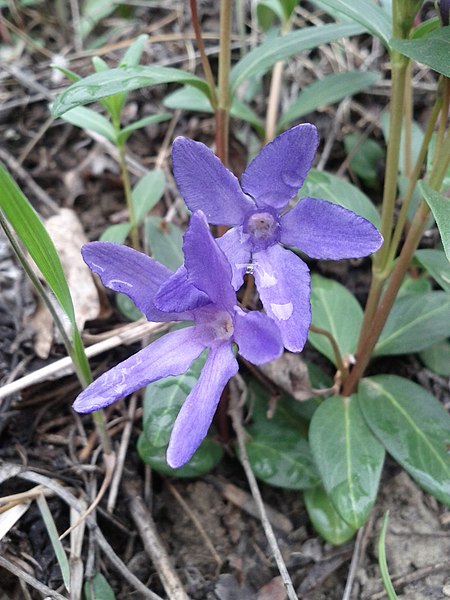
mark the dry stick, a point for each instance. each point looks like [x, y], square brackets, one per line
[415, 576]
[236, 417]
[127, 335]
[190, 513]
[353, 565]
[73, 502]
[24, 576]
[153, 544]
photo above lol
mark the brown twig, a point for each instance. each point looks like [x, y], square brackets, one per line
[24, 576]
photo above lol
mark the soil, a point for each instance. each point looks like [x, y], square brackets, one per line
[217, 548]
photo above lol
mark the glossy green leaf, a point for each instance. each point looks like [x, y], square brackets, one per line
[324, 518]
[366, 158]
[348, 456]
[440, 207]
[365, 12]
[208, 456]
[414, 285]
[413, 427]
[332, 88]
[437, 265]
[163, 400]
[335, 309]
[261, 59]
[431, 49]
[192, 99]
[98, 588]
[123, 79]
[165, 240]
[117, 233]
[148, 192]
[319, 184]
[415, 323]
[88, 119]
[150, 120]
[437, 358]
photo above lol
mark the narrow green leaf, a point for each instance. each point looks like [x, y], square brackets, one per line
[335, 309]
[165, 241]
[437, 358]
[148, 192]
[261, 59]
[413, 427]
[440, 207]
[348, 456]
[319, 184]
[365, 12]
[437, 265]
[98, 588]
[133, 54]
[415, 323]
[431, 49]
[332, 88]
[150, 120]
[326, 521]
[88, 119]
[93, 12]
[128, 308]
[123, 79]
[382, 562]
[53, 534]
[35, 238]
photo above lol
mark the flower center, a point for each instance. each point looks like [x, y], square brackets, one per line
[262, 228]
[215, 321]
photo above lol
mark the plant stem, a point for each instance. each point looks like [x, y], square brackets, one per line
[83, 377]
[275, 93]
[223, 107]
[203, 56]
[412, 241]
[128, 197]
[337, 354]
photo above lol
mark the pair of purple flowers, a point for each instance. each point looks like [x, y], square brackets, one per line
[203, 290]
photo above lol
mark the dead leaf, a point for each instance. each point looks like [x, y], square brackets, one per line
[274, 590]
[290, 373]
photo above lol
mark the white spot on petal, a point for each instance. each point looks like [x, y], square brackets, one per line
[282, 311]
[266, 279]
[119, 282]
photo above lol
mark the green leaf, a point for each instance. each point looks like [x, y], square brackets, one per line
[437, 265]
[440, 207]
[431, 49]
[332, 88]
[53, 534]
[365, 12]
[437, 358]
[415, 144]
[414, 285]
[415, 323]
[319, 184]
[125, 133]
[128, 308]
[413, 427]
[208, 456]
[163, 400]
[98, 588]
[367, 157]
[193, 100]
[165, 240]
[93, 12]
[382, 561]
[123, 79]
[88, 119]
[348, 456]
[326, 521]
[117, 233]
[335, 309]
[267, 9]
[133, 54]
[261, 59]
[148, 192]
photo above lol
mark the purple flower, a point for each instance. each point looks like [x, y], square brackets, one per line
[256, 209]
[199, 291]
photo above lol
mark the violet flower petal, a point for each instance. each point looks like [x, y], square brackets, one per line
[133, 273]
[283, 283]
[178, 294]
[207, 267]
[237, 253]
[171, 354]
[257, 336]
[206, 184]
[196, 414]
[325, 230]
[277, 173]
